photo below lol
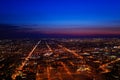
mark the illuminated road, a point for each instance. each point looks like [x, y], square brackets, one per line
[54, 59]
[50, 49]
[103, 67]
[48, 67]
[24, 62]
[75, 54]
[48, 72]
[71, 63]
[59, 75]
[37, 73]
[66, 69]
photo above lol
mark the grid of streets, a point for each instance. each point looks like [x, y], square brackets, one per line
[60, 59]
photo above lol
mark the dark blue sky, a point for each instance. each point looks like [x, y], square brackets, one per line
[62, 14]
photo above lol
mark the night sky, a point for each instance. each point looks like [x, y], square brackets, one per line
[60, 17]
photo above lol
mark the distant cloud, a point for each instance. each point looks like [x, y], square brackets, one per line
[10, 31]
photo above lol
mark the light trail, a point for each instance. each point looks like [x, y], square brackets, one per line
[75, 54]
[24, 62]
[60, 77]
[71, 63]
[50, 49]
[49, 67]
[66, 69]
[48, 72]
[104, 65]
[37, 73]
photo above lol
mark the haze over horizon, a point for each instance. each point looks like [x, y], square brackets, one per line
[60, 17]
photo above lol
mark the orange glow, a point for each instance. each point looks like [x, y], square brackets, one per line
[71, 63]
[37, 74]
[75, 54]
[48, 73]
[24, 62]
[60, 77]
[66, 69]
[49, 47]
[104, 65]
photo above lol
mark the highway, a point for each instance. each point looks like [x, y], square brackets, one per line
[75, 54]
[50, 49]
[66, 69]
[48, 66]
[103, 66]
[38, 76]
[24, 62]
[52, 61]
[48, 73]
